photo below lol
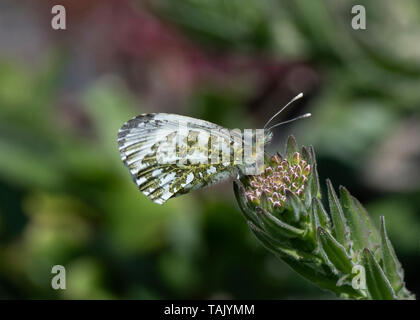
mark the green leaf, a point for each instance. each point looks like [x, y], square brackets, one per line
[315, 183]
[359, 232]
[296, 205]
[318, 276]
[378, 285]
[314, 179]
[264, 202]
[306, 156]
[312, 153]
[334, 252]
[272, 244]
[391, 265]
[276, 227]
[319, 214]
[374, 234]
[340, 228]
[315, 216]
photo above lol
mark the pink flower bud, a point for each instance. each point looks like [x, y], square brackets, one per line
[296, 158]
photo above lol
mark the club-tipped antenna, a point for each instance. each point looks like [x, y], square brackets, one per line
[306, 115]
[300, 95]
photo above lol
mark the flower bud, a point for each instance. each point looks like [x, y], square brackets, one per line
[296, 158]
[279, 177]
[307, 170]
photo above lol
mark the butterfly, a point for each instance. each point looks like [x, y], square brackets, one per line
[169, 155]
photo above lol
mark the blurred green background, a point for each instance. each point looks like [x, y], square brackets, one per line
[66, 198]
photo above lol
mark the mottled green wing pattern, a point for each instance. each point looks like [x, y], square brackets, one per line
[142, 137]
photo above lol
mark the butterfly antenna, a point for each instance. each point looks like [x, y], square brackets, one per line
[300, 95]
[306, 115]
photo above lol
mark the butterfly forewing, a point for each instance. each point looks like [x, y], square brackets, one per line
[144, 142]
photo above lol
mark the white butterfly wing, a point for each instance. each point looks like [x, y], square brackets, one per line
[142, 137]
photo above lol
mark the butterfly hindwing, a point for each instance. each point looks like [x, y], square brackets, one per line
[160, 179]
